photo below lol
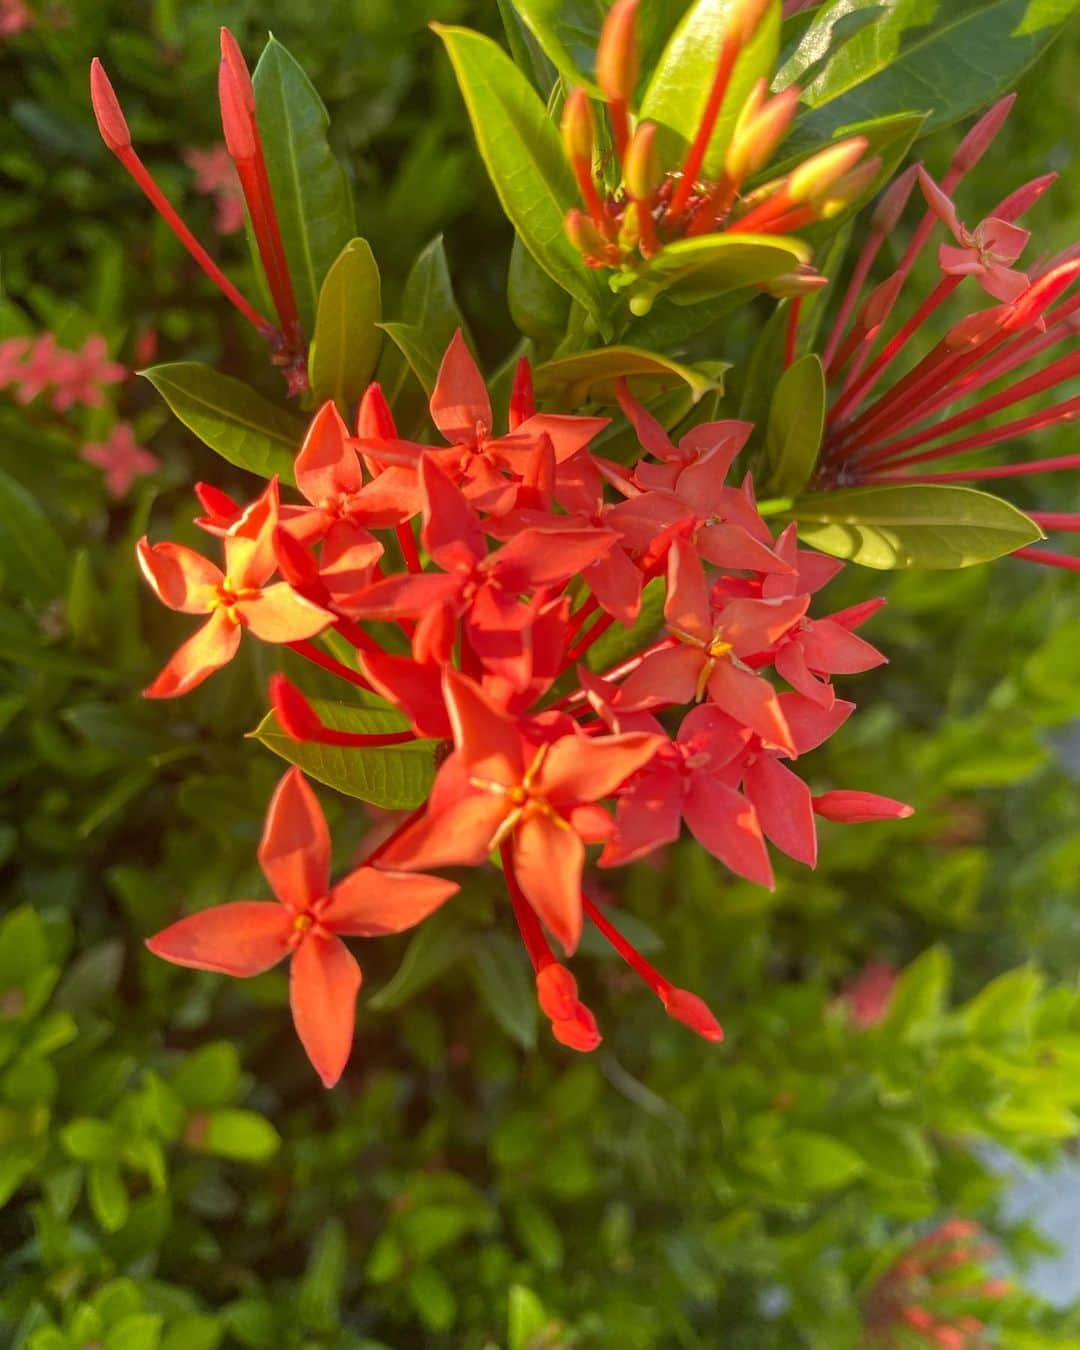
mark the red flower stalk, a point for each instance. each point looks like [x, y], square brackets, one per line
[657, 203]
[975, 373]
[245, 147]
[529, 547]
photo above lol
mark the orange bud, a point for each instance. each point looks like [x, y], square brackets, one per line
[849, 188]
[617, 62]
[577, 126]
[758, 134]
[556, 992]
[791, 285]
[584, 235]
[748, 14]
[110, 118]
[694, 1012]
[642, 172]
[813, 178]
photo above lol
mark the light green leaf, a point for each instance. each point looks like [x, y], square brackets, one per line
[347, 338]
[948, 58]
[209, 1076]
[690, 270]
[503, 981]
[137, 1331]
[796, 422]
[108, 1195]
[421, 349]
[677, 92]
[568, 32]
[89, 1140]
[524, 157]
[319, 1295]
[428, 300]
[32, 562]
[394, 776]
[311, 193]
[591, 377]
[934, 525]
[231, 418]
[817, 1162]
[527, 1320]
[241, 1135]
[918, 997]
[1004, 1007]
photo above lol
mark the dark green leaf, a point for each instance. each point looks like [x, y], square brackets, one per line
[933, 525]
[941, 57]
[347, 338]
[796, 421]
[618, 642]
[503, 978]
[311, 193]
[433, 948]
[524, 156]
[231, 418]
[32, 562]
[394, 776]
[538, 305]
[679, 87]
[428, 301]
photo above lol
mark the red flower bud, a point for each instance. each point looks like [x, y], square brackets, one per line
[693, 1012]
[617, 61]
[642, 172]
[578, 132]
[110, 118]
[813, 178]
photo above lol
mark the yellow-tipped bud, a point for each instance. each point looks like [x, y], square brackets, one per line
[617, 61]
[748, 14]
[577, 126]
[642, 172]
[813, 179]
[805, 280]
[756, 136]
[849, 188]
[584, 235]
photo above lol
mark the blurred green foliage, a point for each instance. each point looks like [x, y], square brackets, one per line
[171, 1176]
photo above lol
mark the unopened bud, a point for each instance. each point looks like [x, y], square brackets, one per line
[110, 117]
[1023, 198]
[556, 992]
[642, 172]
[374, 420]
[757, 136]
[236, 120]
[981, 136]
[577, 127]
[805, 280]
[234, 59]
[748, 14]
[879, 303]
[813, 179]
[888, 211]
[578, 1032]
[693, 1012]
[617, 61]
[853, 185]
[295, 715]
[584, 235]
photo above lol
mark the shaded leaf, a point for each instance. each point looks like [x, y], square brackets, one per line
[796, 422]
[502, 977]
[690, 270]
[591, 377]
[32, 561]
[434, 947]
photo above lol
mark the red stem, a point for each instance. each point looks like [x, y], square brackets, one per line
[310, 652]
[1048, 557]
[695, 157]
[629, 954]
[532, 934]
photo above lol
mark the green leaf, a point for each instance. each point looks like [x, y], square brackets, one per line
[679, 87]
[690, 270]
[231, 418]
[32, 561]
[194, 1331]
[795, 426]
[433, 948]
[394, 776]
[943, 57]
[619, 643]
[539, 307]
[504, 983]
[89, 1140]
[527, 1320]
[24, 948]
[932, 525]
[244, 1136]
[891, 1147]
[918, 997]
[347, 338]
[137, 1331]
[433, 1298]
[568, 32]
[108, 1195]
[428, 300]
[1005, 1006]
[524, 157]
[591, 377]
[817, 1162]
[319, 1295]
[311, 193]
[421, 349]
[209, 1076]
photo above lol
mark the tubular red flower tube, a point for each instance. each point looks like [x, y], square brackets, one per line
[298, 719]
[859, 807]
[730, 45]
[115, 134]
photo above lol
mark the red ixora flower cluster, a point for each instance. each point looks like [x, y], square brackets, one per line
[501, 560]
[946, 405]
[932, 1293]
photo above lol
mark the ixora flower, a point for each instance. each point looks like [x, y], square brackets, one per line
[306, 924]
[493, 565]
[638, 202]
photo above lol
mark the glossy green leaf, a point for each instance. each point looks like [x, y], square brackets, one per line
[538, 305]
[591, 377]
[421, 349]
[394, 776]
[698, 269]
[932, 525]
[433, 318]
[347, 337]
[311, 193]
[437, 944]
[32, 561]
[948, 58]
[503, 979]
[677, 92]
[568, 32]
[524, 156]
[231, 418]
[796, 422]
